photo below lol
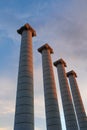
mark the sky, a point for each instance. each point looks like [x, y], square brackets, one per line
[60, 23]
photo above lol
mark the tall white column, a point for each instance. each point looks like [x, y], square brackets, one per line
[24, 114]
[80, 111]
[51, 103]
[70, 118]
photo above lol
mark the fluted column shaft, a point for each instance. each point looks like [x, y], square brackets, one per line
[80, 111]
[70, 118]
[51, 104]
[24, 114]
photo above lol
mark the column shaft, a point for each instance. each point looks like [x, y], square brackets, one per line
[70, 118]
[24, 114]
[80, 111]
[51, 104]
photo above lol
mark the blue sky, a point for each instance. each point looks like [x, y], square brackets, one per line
[62, 24]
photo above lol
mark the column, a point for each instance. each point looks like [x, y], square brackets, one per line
[51, 104]
[80, 111]
[24, 114]
[70, 118]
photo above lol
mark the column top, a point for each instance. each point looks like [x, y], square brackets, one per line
[72, 72]
[60, 61]
[45, 47]
[27, 27]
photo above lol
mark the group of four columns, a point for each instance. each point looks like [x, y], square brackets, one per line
[24, 114]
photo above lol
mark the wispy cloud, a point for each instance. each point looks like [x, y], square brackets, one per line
[5, 128]
[6, 101]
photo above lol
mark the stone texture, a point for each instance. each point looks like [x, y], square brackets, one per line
[70, 118]
[24, 114]
[79, 107]
[51, 104]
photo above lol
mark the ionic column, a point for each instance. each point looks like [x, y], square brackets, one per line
[80, 111]
[24, 114]
[70, 118]
[51, 104]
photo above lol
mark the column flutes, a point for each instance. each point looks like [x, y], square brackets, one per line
[24, 114]
[70, 118]
[51, 104]
[79, 107]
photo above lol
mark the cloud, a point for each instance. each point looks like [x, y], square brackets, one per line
[5, 128]
[38, 128]
[39, 93]
[67, 31]
[7, 101]
[8, 87]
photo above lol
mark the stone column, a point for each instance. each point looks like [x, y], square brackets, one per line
[80, 111]
[51, 104]
[70, 118]
[24, 114]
